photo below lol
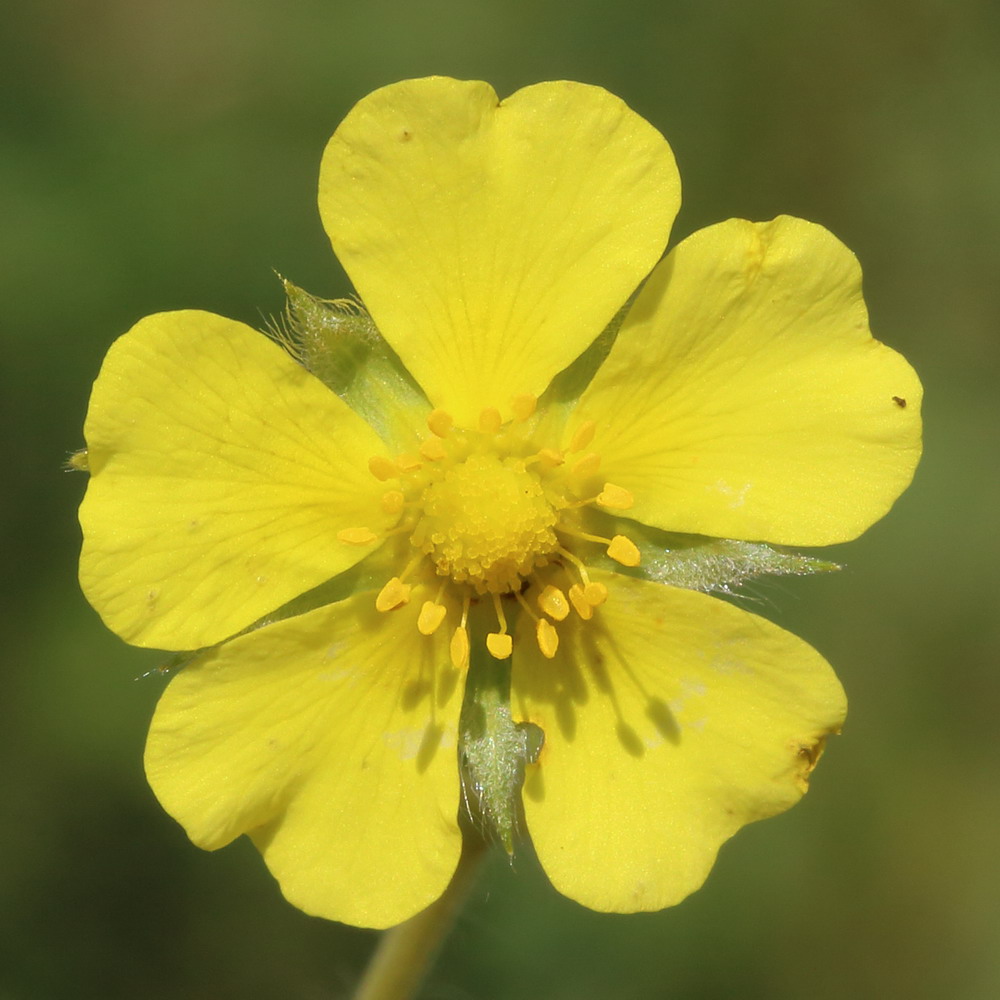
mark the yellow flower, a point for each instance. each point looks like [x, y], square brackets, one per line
[508, 504]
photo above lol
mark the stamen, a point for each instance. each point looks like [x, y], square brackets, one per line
[584, 536]
[459, 648]
[490, 420]
[430, 618]
[595, 594]
[547, 638]
[615, 497]
[393, 501]
[432, 449]
[499, 644]
[550, 457]
[577, 562]
[393, 595]
[545, 633]
[498, 608]
[623, 550]
[583, 436]
[408, 463]
[440, 422]
[581, 605]
[356, 536]
[523, 406]
[588, 465]
[553, 602]
[524, 604]
[383, 468]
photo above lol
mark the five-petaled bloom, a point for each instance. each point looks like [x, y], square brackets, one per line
[499, 490]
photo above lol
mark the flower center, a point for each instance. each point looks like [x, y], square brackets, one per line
[486, 522]
[488, 513]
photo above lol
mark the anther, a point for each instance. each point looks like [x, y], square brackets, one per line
[499, 644]
[615, 497]
[623, 550]
[430, 617]
[432, 449]
[550, 457]
[356, 536]
[583, 436]
[459, 649]
[581, 605]
[595, 594]
[588, 465]
[383, 468]
[553, 602]
[393, 595]
[392, 502]
[490, 420]
[547, 638]
[440, 422]
[523, 406]
[408, 463]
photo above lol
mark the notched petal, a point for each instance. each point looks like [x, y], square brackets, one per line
[671, 720]
[330, 738]
[493, 241]
[221, 472]
[745, 397]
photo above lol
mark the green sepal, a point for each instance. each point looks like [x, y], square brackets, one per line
[339, 343]
[79, 461]
[494, 750]
[719, 565]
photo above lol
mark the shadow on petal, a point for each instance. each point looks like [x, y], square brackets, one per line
[429, 746]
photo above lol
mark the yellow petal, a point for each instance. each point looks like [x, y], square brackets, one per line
[492, 241]
[221, 475]
[671, 720]
[745, 397]
[331, 739]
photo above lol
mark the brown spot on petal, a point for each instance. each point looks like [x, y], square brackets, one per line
[808, 753]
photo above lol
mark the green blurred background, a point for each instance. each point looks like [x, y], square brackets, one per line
[158, 154]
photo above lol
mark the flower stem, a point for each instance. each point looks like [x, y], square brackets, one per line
[405, 953]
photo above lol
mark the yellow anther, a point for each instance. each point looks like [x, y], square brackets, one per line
[588, 465]
[440, 422]
[393, 595]
[460, 648]
[523, 406]
[432, 449]
[595, 594]
[356, 536]
[392, 502]
[581, 605]
[553, 602]
[583, 436]
[615, 497]
[550, 457]
[383, 468]
[430, 617]
[408, 463]
[548, 638]
[500, 644]
[624, 551]
[490, 421]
